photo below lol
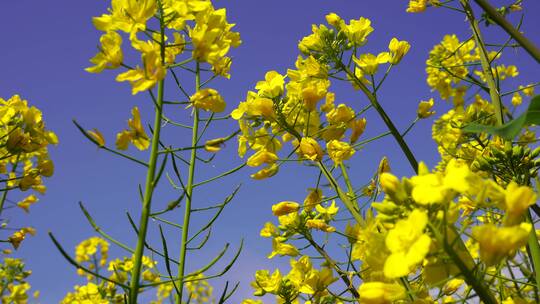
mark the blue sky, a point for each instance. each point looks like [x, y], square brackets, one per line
[47, 44]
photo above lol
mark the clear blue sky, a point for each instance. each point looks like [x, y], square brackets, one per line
[47, 44]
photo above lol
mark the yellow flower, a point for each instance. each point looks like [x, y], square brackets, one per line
[417, 6]
[136, 134]
[17, 293]
[208, 100]
[380, 292]
[89, 293]
[320, 225]
[269, 230]
[129, 16]
[358, 127]
[153, 71]
[291, 220]
[517, 201]
[261, 157]
[97, 136]
[312, 92]
[328, 213]
[272, 86]
[528, 90]
[266, 283]
[358, 30]
[282, 249]
[408, 245]
[110, 55]
[516, 99]
[369, 63]
[89, 248]
[16, 238]
[398, 49]
[340, 114]
[214, 145]
[497, 243]
[254, 106]
[285, 207]
[437, 188]
[172, 50]
[313, 198]
[266, 172]
[339, 151]
[452, 286]
[334, 20]
[183, 11]
[27, 202]
[212, 36]
[310, 149]
[328, 102]
[200, 290]
[424, 108]
[314, 41]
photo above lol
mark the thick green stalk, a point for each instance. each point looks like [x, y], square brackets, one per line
[147, 199]
[470, 276]
[534, 250]
[484, 60]
[528, 45]
[533, 246]
[149, 183]
[189, 195]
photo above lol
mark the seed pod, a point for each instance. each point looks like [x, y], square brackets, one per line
[517, 152]
[535, 152]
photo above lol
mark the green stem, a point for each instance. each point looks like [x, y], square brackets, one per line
[5, 192]
[189, 194]
[333, 265]
[350, 189]
[342, 195]
[389, 124]
[147, 199]
[486, 66]
[528, 45]
[3, 198]
[534, 251]
[149, 184]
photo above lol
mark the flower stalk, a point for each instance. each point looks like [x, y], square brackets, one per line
[528, 45]
[486, 66]
[189, 194]
[147, 198]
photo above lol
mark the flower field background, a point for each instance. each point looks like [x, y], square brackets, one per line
[47, 46]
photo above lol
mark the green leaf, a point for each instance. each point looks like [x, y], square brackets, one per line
[512, 128]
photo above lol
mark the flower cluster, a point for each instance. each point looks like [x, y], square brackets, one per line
[93, 254]
[420, 215]
[303, 278]
[299, 107]
[208, 34]
[24, 144]
[13, 281]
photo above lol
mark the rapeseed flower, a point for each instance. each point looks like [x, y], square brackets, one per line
[135, 134]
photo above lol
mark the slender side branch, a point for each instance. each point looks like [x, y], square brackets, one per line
[528, 45]
[189, 194]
